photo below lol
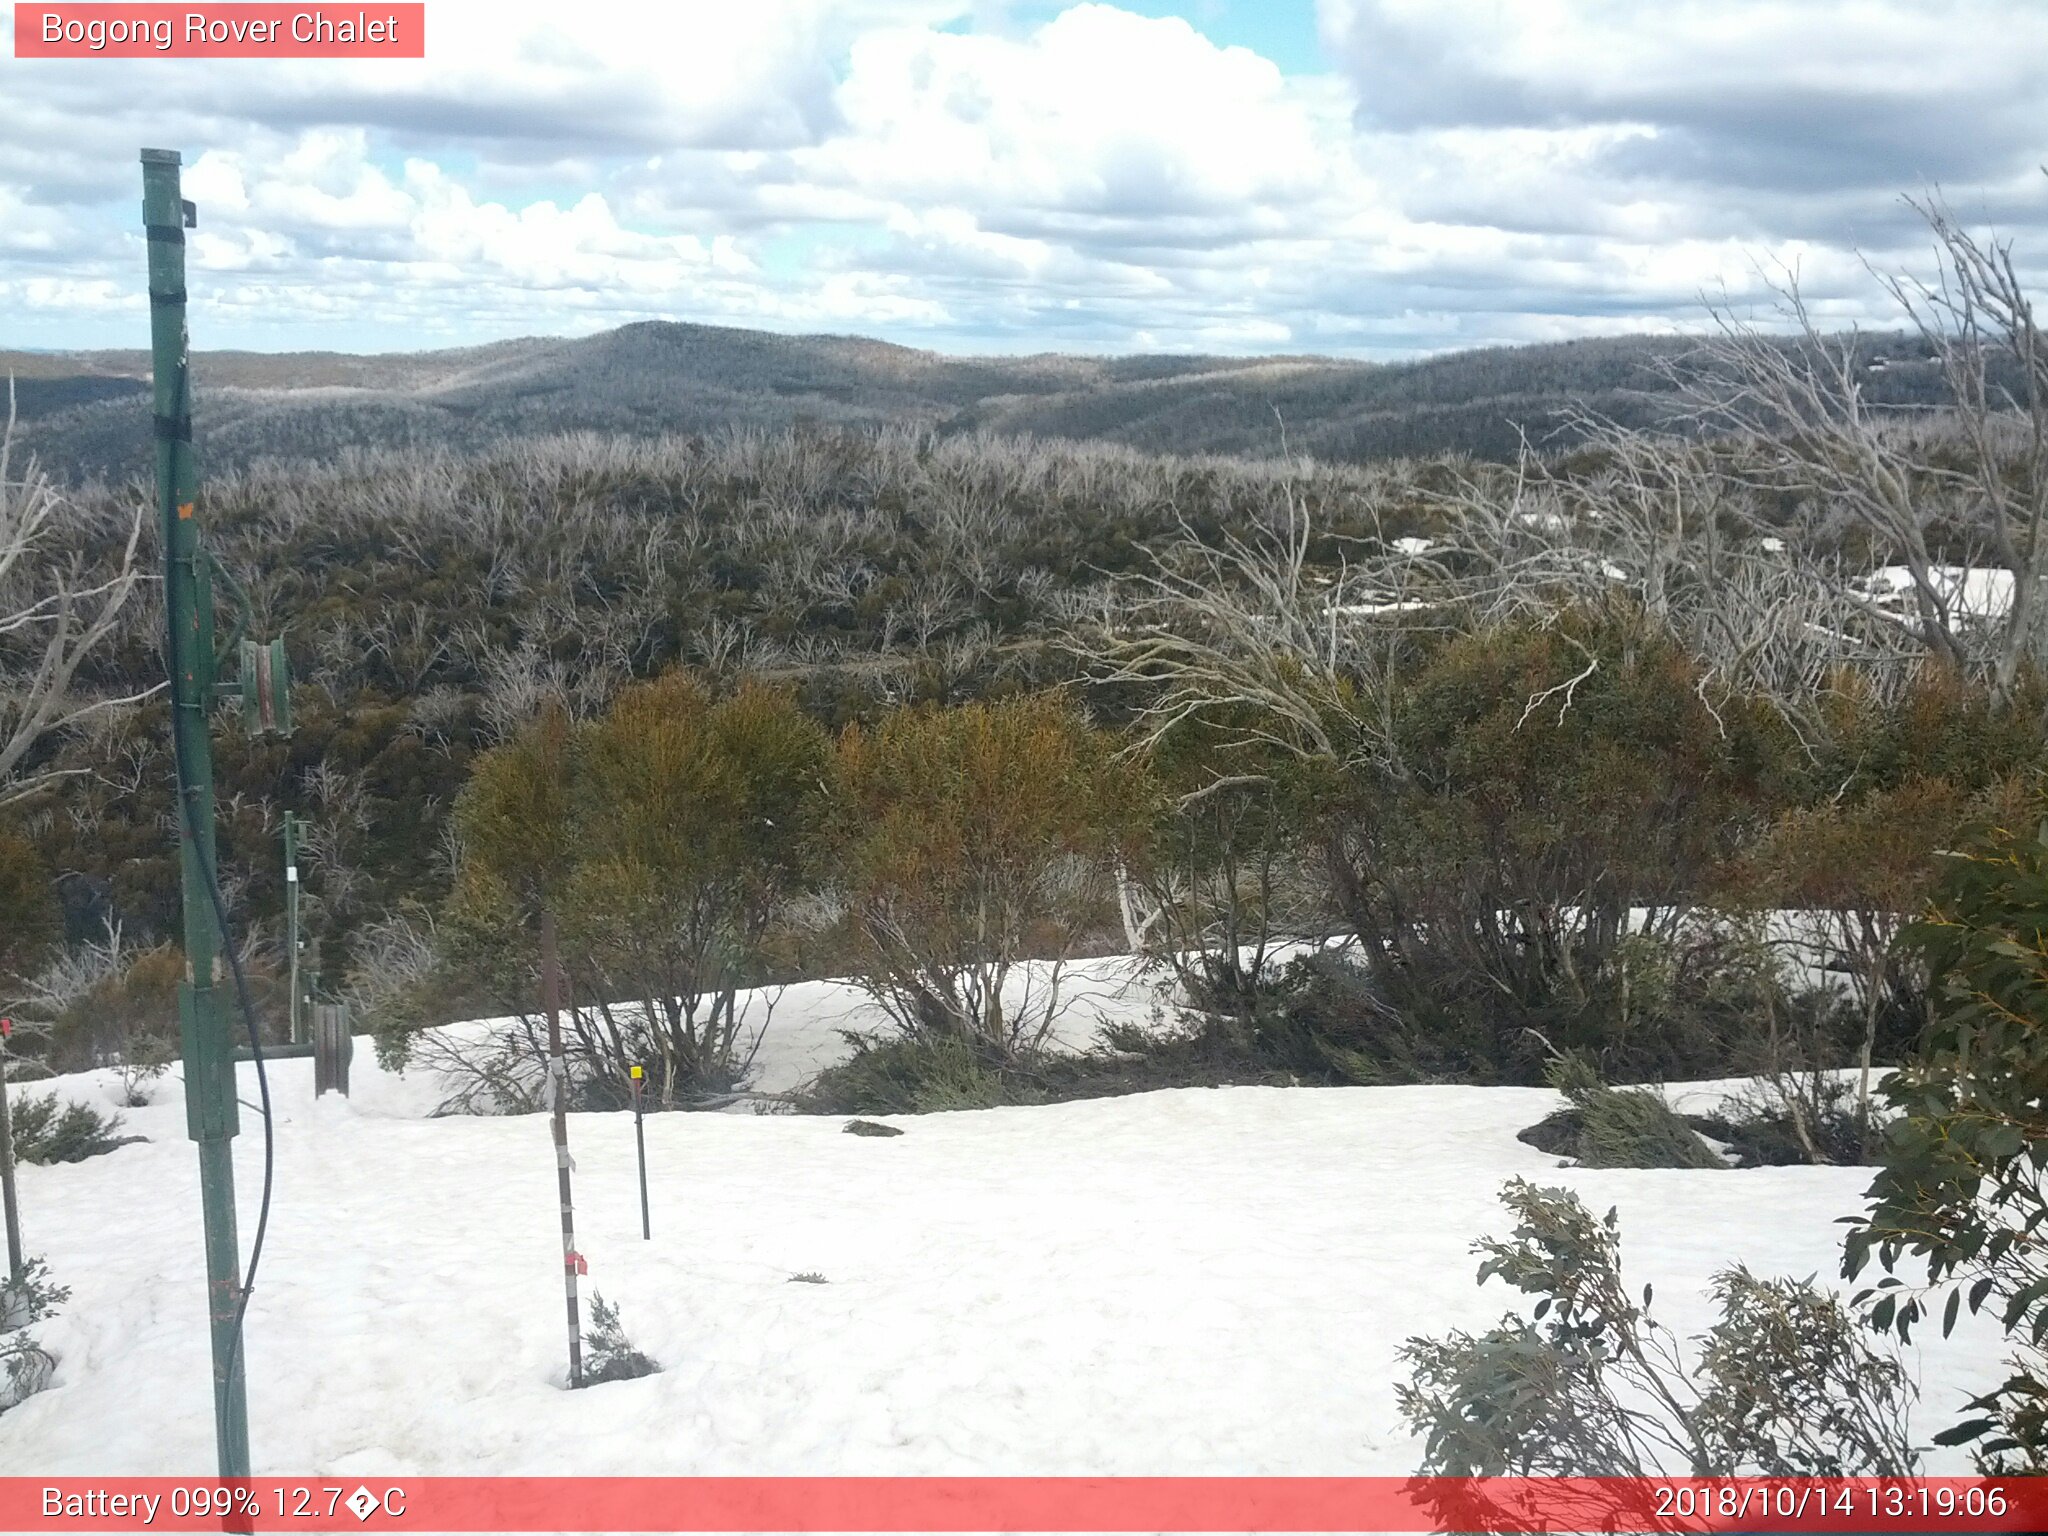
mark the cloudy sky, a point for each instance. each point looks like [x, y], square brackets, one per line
[1363, 177]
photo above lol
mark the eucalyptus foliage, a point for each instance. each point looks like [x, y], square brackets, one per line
[1590, 1384]
[1959, 1197]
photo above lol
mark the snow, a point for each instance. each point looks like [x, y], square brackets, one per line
[1371, 610]
[1972, 592]
[1190, 1281]
[805, 1031]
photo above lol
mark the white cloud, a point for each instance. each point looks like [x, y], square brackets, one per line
[954, 173]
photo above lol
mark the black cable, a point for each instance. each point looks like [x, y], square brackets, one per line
[211, 879]
[220, 913]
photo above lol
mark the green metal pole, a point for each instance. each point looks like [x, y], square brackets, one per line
[291, 922]
[210, 1113]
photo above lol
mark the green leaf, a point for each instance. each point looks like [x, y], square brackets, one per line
[2000, 1142]
[2022, 1299]
[1951, 1312]
[1964, 1432]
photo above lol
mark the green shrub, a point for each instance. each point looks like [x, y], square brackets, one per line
[25, 1300]
[1960, 1190]
[130, 1016]
[1861, 868]
[1663, 1008]
[916, 1076]
[1226, 875]
[1590, 1385]
[43, 1133]
[1330, 1020]
[608, 1355]
[1621, 1127]
[971, 840]
[1543, 779]
[29, 919]
[1792, 1118]
[667, 837]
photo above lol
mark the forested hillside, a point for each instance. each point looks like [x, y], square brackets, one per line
[86, 414]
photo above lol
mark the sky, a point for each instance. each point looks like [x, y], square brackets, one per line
[1364, 178]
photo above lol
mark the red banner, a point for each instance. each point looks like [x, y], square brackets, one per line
[376, 31]
[921, 1504]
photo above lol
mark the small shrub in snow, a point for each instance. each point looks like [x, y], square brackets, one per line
[1792, 1118]
[899, 1077]
[24, 1364]
[43, 1133]
[608, 1355]
[917, 1076]
[398, 982]
[500, 1072]
[107, 1001]
[1607, 1127]
[1590, 1385]
[137, 1080]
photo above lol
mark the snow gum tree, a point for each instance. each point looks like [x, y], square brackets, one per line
[1226, 875]
[667, 836]
[695, 823]
[55, 611]
[1563, 798]
[969, 840]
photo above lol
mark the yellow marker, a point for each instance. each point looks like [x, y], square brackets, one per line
[638, 1074]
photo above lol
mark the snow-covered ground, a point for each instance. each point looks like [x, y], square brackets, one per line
[1974, 594]
[1194, 1281]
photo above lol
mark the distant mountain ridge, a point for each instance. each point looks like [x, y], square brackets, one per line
[85, 413]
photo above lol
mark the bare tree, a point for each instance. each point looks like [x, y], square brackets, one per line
[1663, 521]
[53, 613]
[1801, 405]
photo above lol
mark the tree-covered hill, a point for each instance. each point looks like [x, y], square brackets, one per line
[85, 414]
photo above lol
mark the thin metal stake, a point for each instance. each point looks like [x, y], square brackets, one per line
[640, 1141]
[294, 945]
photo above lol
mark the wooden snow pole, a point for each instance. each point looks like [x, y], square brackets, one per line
[558, 1101]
